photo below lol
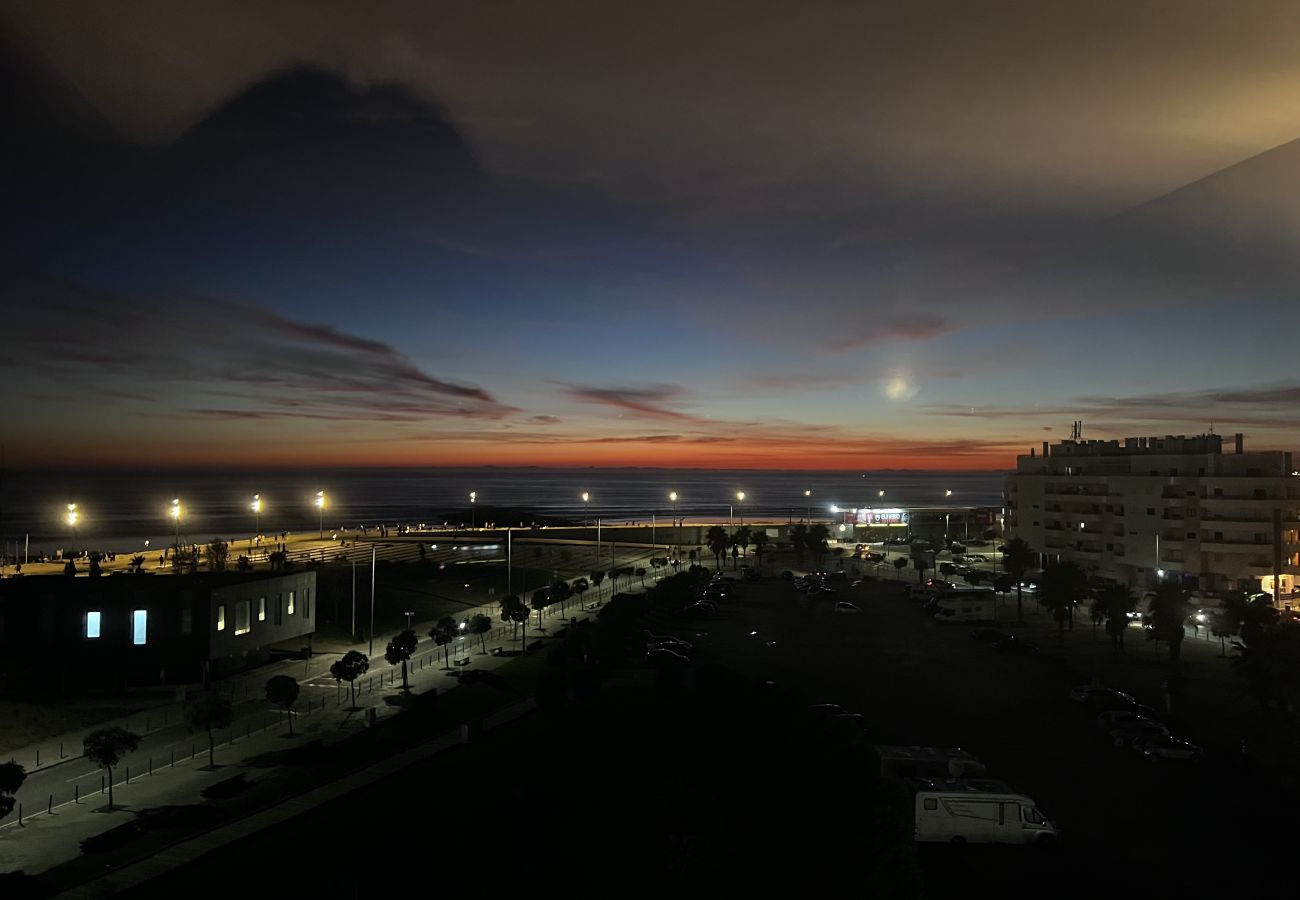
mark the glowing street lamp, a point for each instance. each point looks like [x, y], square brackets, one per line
[807, 495]
[946, 517]
[672, 498]
[586, 499]
[473, 498]
[72, 523]
[176, 517]
[257, 513]
[320, 513]
[740, 498]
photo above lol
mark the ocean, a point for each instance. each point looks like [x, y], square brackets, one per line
[118, 511]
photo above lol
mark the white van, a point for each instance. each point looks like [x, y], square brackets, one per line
[978, 811]
[965, 606]
[928, 762]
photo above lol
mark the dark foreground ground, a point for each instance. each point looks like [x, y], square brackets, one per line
[640, 793]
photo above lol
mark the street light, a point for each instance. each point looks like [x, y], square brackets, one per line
[176, 516]
[320, 513]
[473, 497]
[808, 499]
[257, 514]
[740, 498]
[72, 523]
[947, 518]
[672, 498]
[586, 499]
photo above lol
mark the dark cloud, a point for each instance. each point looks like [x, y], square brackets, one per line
[917, 327]
[648, 401]
[274, 366]
[545, 420]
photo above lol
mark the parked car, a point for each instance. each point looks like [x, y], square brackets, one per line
[662, 657]
[669, 644]
[1164, 748]
[1125, 735]
[1015, 645]
[787, 575]
[846, 609]
[824, 595]
[1116, 718]
[976, 558]
[837, 576]
[1092, 695]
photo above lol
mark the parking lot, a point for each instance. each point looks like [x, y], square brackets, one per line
[1124, 820]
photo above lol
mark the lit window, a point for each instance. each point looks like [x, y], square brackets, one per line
[242, 623]
[290, 609]
[139, 623]
[221, 617]
[261, 609]
[92, 624]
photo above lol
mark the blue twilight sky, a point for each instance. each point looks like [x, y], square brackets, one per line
[812, 235]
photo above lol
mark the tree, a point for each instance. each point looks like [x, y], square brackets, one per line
[105, 747]
[1117, 602]
[137, 564]
[559, 592]
[1270, 663]
[349, 668]
[717, 541]
[443, 633]
[513, 611]
[596, 579]
[1169, 611]
[1017, 560]
[743, 537]
[209, 712]
[282, 691]
[760, 543]
[12, 776]
[580, 587]
[900, 563]
[216, 554]
[818, 535]
[399, 650]
[920, 562]
[480, 624]
[799, 540]
[1063, 585]
[735, 555]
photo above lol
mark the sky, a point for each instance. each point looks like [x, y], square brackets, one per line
[812, 235]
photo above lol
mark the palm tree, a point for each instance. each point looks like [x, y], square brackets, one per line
[799, 539]
[717, 541]
[1017, 560]
[760, 544]
[816, 540]
[1169, 611]
[1063, 585]
[743, 537]
[1116, 603]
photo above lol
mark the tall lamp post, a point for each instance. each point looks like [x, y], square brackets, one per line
[946, 530]
[473, 498]
[320, 513]
[257, 515]
[72, 524]
[176, 517]
[807, 496]
[672, 498]
[740, 499]
[586, 505]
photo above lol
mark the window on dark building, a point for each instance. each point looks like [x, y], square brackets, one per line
[92, 624]
[139, 626]
[243, 617]
[221, 617]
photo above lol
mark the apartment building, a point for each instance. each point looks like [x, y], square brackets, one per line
[1156, 508]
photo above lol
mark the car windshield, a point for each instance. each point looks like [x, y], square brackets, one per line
[1033, 816]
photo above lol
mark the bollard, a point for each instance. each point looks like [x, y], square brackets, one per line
[60, 749]
[38, 759]
[128, 774]
[76, 793]
[49, 806]
[101, 784]
[20, 816]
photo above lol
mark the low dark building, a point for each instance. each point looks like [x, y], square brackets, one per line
[74, 635]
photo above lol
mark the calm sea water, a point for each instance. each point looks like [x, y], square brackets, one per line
[120, 510]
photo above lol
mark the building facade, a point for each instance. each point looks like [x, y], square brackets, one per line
[70, 635]
[1149, 509]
